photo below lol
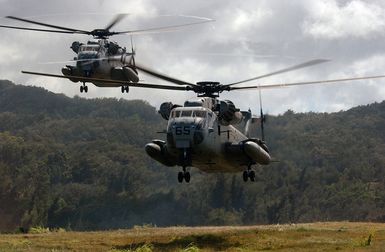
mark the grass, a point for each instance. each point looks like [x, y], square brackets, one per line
[342, 236]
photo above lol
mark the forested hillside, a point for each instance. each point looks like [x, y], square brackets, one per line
[80, 164]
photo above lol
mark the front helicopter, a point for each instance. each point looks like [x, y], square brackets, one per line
[212, 134]
[201, 133]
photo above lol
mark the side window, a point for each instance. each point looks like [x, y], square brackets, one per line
[175, 114]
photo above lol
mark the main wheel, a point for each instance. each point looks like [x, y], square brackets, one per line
[245, 176]
[86, 89]
[187, 177]
[252, 175]
[180, 177]
[81, 89]
[122, 89]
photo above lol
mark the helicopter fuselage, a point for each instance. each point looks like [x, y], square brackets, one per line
[102, 59]
[196, 138]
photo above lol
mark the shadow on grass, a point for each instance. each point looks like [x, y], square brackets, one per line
[211, 241]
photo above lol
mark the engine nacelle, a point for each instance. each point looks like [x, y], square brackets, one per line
[158, 151]
[130, 74]
[165, 109]
[70, 71]
[228, 113]
[257, 151]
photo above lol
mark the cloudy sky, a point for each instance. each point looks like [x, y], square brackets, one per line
[249, 38]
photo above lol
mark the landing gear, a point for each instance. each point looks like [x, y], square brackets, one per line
[185, 160]
[124, 89]
[180, 177]
[252, 175]
[187, 177]
[83, 88]
[245, 176]
[184, 175]
[248, 174]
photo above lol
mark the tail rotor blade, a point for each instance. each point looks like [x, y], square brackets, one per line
[132, 52]
[262, 116]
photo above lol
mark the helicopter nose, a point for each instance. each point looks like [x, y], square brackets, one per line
[84, 56]
[187, 134]
[86, 60]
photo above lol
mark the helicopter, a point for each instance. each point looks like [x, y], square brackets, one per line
[214, 135]
[99, 57]
[207, 133]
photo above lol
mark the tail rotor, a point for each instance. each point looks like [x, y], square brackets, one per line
[262, 116]
[132, 62]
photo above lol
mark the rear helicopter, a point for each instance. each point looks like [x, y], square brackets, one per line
[100, 58]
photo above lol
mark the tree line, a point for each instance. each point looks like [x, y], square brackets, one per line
[80, 164]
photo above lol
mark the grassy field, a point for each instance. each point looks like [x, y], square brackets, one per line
[344, 236]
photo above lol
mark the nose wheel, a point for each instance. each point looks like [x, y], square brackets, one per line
[184, 175]
[124, 89]
[83, 88]
[248, 174]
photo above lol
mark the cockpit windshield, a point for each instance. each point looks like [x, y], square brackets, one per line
[189, 113]
[185, 113]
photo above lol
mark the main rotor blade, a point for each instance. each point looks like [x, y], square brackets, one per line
[163, 76]
[32, 29]
[116, 20]
[164, 28]
[111, 58]
[120, 83]
[48, 25]
[302, 65]
[306, 83]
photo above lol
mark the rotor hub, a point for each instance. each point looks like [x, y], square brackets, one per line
[208, 89]
[101, 33]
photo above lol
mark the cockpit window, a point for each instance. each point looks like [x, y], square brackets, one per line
[186, 113]
[199, 113]
[189, 113]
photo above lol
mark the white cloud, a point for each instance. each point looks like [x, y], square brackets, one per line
[247, 19]
[133, 7]
[328, 20]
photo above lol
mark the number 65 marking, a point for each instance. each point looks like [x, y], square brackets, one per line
[182, 131]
